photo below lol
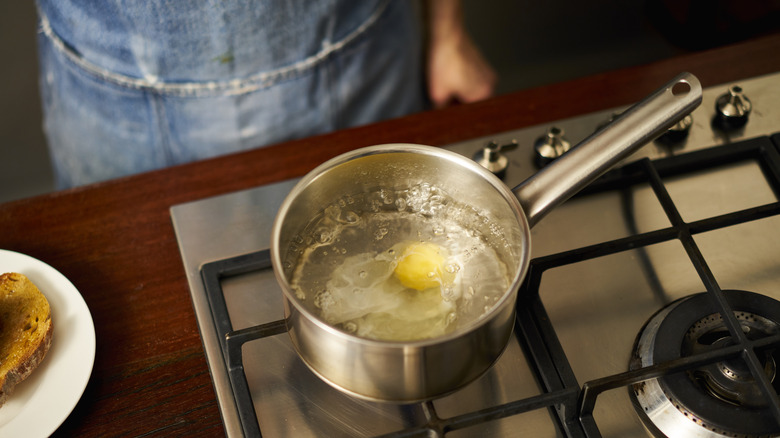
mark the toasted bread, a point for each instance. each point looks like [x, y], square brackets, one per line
[25, 330]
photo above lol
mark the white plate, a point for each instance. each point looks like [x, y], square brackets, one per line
[40, 404]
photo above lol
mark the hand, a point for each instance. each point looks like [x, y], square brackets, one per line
[456, 69]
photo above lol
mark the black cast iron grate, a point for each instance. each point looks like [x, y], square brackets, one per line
[570, 402]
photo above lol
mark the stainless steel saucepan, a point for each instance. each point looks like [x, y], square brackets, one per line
[409, 371]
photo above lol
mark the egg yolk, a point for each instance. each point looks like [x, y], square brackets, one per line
[420, 266]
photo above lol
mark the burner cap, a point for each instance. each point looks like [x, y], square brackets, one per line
[719, 399]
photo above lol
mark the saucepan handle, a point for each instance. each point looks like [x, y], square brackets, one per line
[592, 157]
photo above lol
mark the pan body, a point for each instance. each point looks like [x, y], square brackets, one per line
[392, 370]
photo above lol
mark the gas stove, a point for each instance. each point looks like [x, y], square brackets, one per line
[651, 306]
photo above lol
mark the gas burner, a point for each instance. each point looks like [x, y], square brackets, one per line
[722, 398]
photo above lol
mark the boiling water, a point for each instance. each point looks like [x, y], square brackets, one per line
[345, 261]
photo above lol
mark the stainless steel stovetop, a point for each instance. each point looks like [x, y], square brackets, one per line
[604, 263]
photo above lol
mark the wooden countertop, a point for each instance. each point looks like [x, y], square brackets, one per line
[115, 240]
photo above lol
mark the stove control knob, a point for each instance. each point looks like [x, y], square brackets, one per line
[492, 157]
[732, 109]
[550, 146]
[678, 132]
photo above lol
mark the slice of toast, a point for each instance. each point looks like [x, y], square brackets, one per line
[25, 330]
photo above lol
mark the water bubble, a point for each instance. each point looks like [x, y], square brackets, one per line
[323, 235]
[350, 327]
[332, 211]
[380, 233]
[363, 274]
[452, 268]
[349, 217]
[400, 204]
[438, 230]
[323, 299]
[448, 293]
[386, 197]
[451, 317]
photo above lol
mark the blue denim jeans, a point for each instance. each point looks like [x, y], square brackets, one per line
[158, 83]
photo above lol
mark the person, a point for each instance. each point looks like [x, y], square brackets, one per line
[130, 86]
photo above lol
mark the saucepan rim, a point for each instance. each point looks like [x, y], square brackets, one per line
[520, 267]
